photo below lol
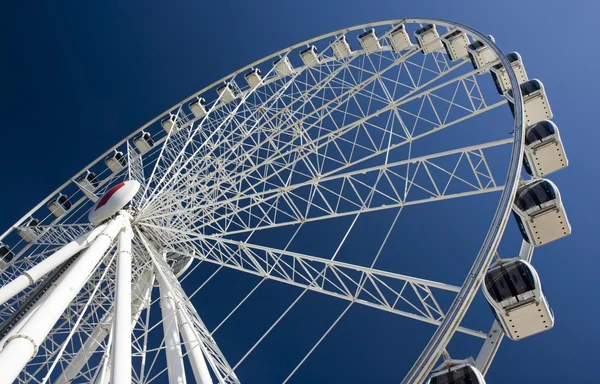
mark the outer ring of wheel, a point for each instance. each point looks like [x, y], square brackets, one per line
[470, 286]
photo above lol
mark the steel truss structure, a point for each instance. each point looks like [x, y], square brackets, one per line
[334, 141]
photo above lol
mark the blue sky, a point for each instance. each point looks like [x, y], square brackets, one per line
[78, 76]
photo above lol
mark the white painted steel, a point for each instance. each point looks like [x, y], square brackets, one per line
[121, 350]
[171, 332]
[461, 303]
[44, 267]
[166, 221]
[140, 300]
[194, 349]
[23, 346]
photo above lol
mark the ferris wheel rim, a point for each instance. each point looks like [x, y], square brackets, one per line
[412, 20]
[508, 192]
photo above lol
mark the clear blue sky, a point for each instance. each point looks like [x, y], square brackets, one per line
[78, 76]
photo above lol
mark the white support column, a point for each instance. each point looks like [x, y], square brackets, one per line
[121, 349]
[171, 331]
[23, 346]
[140, 299]
[194, 349]
[45, 266]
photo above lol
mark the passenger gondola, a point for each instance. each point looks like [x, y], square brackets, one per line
[226, 92]
[59, 205]
[341, 48]
[198, 107]
[283, 67]
[544, 150]
[88, 181]
[6, 255]
[310, 56]
[253, 77]
[169, 124]
[143, 142]
[513, 289]
[481, 55]
[27, 231]
[428, 39]
[456, 372]
[539, 212]
[369, 42]
[500, 75]
[535, 102]
[400, 39]
[116, 161]
[455, 45]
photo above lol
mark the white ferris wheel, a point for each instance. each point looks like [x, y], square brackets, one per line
[268, 173]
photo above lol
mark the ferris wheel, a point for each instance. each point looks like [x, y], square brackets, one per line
[274, 172]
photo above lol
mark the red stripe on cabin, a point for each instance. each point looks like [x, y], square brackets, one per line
[108, 195]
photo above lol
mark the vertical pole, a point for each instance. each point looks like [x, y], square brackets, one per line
[171, 331]
[194, 348]
[23, 346]
[121, 350]
[140, 296]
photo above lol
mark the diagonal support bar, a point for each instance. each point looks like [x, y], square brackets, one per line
[215, 358]
[24, 345]
[140, 300]
[34, 274]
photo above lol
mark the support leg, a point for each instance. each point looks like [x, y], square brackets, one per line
[140, 297]
[195, 350]
[23, 346]
[44, 267]
[121, 350]
[171, 331]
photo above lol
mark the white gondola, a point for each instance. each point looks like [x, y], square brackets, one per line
[143, 142]
[341, 48]
[116, 161]
[88, 181]
[310, 56]
[369, 42]
[481, 55]
[198, 107]
[455, 44]
[283, 67]
[535, 103]
[429, 39]
[513, 289]
[253, 77]
[500, 76]
[27, 231]
[456, 372]
[539, 212]
[59, 205]
[400, 39]
[169, 124]
[544, 150]
[6, 255]
[226, 92]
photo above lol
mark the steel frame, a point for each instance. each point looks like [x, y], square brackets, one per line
[294, 172]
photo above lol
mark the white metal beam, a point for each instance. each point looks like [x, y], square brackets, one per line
[121, 349]
[173, 351]
[44, 267]
[140, 297]
[23, 346]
